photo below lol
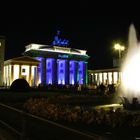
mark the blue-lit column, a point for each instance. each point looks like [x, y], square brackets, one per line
[39, 69]
[82, 73]
[61, 71]
[73, 66]
[50, 71]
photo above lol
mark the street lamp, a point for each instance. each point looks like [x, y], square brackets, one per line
[118, 62]
[119, 48]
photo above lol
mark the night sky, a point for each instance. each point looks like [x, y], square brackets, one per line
[83, 24]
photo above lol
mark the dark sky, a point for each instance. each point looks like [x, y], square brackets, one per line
[86, 25]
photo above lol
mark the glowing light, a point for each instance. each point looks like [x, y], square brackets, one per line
[55, 74]
[115, 106]
[100, 77]
[33, 76]
[61, 71]
[49, 71]
[59, 42]
[6, 75]
[72, 72]
[131, 67]
[16, 72]
[131, 74]
[81, 72]
[110, 78]
[115, 77]
[105, 77]
[63, 56]
[119, 47]
[10, 80]
[39, 47]
[39, 81]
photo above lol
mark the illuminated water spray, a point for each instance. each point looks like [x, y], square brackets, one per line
[131, 67]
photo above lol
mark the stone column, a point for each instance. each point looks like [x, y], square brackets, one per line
[37, 80]
[8, 76]
[30, 75]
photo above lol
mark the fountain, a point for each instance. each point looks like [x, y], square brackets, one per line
[130, 85]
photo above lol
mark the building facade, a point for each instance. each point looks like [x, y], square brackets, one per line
[59, 65]
[105, 76]
[21, 67]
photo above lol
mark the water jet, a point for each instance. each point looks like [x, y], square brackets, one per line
[130, 84]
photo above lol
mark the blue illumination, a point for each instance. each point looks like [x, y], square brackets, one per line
[50, 70]
[61, 72]
[59, 42]
[72, 72]
[34, 80]
[81, 72]
[60, 75]
[63, 56]
[40, 69]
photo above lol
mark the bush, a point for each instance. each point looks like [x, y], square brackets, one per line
[20, 85]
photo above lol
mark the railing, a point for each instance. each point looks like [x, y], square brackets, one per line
[25, 125]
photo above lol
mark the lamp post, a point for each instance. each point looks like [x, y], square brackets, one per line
[119, 48]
